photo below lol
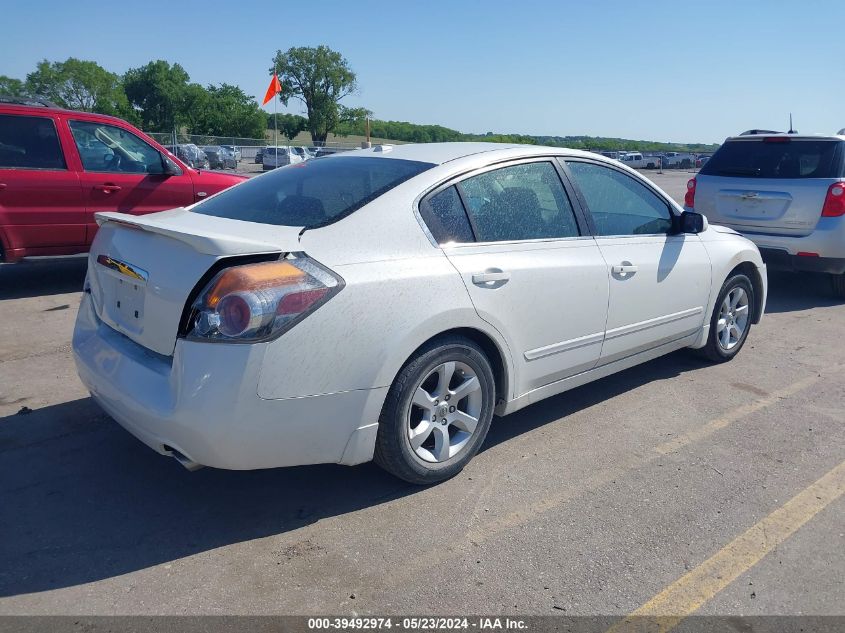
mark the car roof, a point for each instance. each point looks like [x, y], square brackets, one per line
[42, 109]
[440, 153]
[761, 134]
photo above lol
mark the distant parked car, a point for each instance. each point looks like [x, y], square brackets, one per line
[229, 160]
[259, 156]
[678, 160]
[303, 153]
[786, 193]
[232, 149]
[216, 156]
[59, 167]
[636, 160]
[190, 154]
[701, 161]
[279, 157]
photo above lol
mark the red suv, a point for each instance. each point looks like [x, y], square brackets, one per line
[60, 167]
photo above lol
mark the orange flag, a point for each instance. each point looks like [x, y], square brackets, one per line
[274, 89]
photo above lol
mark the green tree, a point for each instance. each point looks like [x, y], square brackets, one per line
[234, 113]
[79, 85]
[159, 91]
[320, 78]
[290, 125]
[11, 87]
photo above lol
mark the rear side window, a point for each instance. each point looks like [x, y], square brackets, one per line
[29, 142]
[444, 215]
[522, 202]
[619, 204]
[779, 158]
[312, 193]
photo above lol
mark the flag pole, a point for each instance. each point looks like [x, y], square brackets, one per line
[275, 115]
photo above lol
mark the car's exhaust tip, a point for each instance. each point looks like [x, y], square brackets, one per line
[183, 459]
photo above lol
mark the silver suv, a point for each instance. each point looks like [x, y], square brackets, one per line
[785, 192]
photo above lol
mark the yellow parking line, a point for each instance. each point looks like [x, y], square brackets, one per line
[523, 515]
[687, 594]
[737, 414]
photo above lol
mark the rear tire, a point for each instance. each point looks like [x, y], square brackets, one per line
[437, 412]
[837, 282]
[730, 322]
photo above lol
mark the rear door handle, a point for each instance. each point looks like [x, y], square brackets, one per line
[624, 269]
[107, 188]
[2, 186]
[491, 278]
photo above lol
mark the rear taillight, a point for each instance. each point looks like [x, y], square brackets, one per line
[834, 202]
[261, 301]
[689, 196]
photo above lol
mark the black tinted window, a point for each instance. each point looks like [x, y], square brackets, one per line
[786, 158]
[312, 193]
[29, 142]
[619, 204]
[523, 202]
[445, 217]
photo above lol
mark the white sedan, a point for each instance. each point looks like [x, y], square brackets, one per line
[385, 303]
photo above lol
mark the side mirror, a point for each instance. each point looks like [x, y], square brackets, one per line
[692, 222]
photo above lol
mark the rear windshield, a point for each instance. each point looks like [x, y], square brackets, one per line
[312, 193]
[777, 159]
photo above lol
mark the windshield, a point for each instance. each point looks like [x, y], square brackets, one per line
[778, 158]
[312, 193]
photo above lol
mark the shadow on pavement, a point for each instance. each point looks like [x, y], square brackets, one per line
[82, 500]
[38, 277]
[791, 292]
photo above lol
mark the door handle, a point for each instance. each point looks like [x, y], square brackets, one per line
[107, 188]
[2, 186]
[491, 278]
[623, 269]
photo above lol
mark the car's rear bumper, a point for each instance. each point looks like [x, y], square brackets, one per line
[779, 259]
[822, 251]
[203, 403]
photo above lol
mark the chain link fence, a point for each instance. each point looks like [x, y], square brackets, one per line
[248, 147]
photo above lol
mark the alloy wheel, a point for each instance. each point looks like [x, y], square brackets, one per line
[733, 318]
[444, 412]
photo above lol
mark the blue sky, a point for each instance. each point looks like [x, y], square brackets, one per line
[670, 70]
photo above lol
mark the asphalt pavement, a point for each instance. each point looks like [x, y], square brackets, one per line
[621, 495]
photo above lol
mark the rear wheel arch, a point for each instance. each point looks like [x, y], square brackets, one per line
[491, 348]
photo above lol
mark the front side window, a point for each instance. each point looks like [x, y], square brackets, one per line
[312, 193]
[522, 202]
[108, 148]
[29, 142]
[618, 203]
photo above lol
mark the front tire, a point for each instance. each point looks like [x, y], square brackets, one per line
[437, 412]
[730, 322]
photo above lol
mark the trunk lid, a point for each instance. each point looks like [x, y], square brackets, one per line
[775, 206]
[142, 269]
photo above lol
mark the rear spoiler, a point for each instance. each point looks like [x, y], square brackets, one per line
[206, 238]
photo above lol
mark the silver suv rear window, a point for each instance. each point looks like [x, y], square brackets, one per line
[777, 157]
